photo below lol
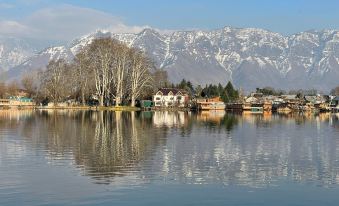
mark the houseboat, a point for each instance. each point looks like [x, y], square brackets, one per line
[253, 108]
[211, 104]
[234, 107]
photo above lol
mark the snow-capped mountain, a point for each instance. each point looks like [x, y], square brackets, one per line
[13, 51]
[248, 57]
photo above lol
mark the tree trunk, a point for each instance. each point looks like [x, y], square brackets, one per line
[117, 101]
[132, 101]
[101, 100]
[83, 98]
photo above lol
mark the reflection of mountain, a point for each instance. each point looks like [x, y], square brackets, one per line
[249, 150]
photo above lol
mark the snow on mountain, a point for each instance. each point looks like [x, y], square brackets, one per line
[248, 57]
[13, 52]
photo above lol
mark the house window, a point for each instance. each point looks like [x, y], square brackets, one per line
[169, 103]
[179, 97]
[171, 98]
[158, 98]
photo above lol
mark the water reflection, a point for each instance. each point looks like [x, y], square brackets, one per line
[203, 148]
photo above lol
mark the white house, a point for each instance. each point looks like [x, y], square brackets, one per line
[170, 97]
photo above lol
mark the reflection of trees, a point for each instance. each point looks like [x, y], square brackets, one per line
[232, 149]
[105, 144]
[116, 147]
[334, 120]
[218, 120]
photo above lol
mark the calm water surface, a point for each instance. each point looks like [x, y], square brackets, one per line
[167, 158]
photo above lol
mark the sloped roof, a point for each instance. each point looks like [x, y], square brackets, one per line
[175, 91]
[311, 98]
[289, 97]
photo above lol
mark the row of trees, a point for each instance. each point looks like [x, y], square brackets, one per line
[104, 70]
[227, 93]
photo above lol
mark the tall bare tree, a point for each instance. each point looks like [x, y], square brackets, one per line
[3, 90]
[30, 84]
[106, 68]
[335, 91]
[139, 75]
[121, 69]
[82, 74]
[101, 59]
[160, 79]
[12, 88]
[54, 81]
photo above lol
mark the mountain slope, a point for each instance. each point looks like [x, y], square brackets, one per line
[13, 51]
[248, 57]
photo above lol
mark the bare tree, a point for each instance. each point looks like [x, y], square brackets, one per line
[3, 90]
[82, 74]
[12, 88]
[101, 59]
[29, 83]
[160, 79]
[54, 81]
[139, 75]
[105, 68]
[335, 91]
[121, 69]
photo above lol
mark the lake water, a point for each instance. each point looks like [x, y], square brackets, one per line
[168, 158]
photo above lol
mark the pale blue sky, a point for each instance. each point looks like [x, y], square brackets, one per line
[45, 18]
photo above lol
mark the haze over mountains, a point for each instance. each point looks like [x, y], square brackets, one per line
[248, 57]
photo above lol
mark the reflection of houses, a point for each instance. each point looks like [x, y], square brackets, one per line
[334, 105]
[170, 97]
[170, 119]
[211, 116]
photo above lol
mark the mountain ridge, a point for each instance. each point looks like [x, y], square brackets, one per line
[249, 57]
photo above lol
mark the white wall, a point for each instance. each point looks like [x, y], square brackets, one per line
[170, 100]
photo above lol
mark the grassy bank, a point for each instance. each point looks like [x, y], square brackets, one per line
[95, 108]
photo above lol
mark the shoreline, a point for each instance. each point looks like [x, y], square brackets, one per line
[129, 108]
[89, 108]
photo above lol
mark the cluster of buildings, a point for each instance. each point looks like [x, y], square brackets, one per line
[258, 103]
[254, 103]
[20, 100]
[180, 99]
